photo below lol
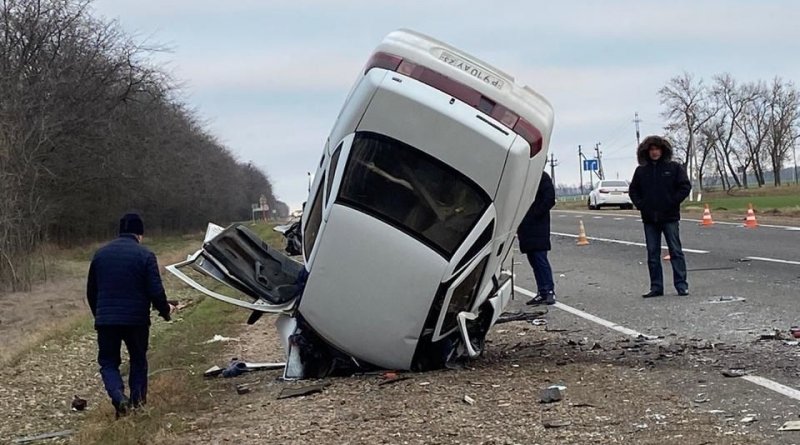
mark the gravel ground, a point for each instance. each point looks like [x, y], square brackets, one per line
[618, 390]
[616, 393]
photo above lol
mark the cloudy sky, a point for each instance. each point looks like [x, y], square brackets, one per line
[269, 76]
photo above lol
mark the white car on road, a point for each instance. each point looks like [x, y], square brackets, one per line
[610, 193]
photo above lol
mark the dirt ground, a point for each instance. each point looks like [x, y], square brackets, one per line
[26, 317]
[618, 390]
[615, 393]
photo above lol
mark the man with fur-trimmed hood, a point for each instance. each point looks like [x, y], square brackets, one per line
[657, 189]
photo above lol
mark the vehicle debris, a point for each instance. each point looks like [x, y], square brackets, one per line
[78, 403]
[551, 394]
[237, 367]
[394, 379]
[438, 191]
[30, 439]
[243, 388]
[791, 425]
[734, 372]
[301, 391]
[508, 317]
[774, 335]
[218, 338]
[554, 423]
[727, 299]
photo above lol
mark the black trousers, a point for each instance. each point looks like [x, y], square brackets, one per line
[109, 342]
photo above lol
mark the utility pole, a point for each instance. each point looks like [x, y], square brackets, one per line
[580, 167]
[553, 164]
[600, 173]
[794, 154]
[636, 120]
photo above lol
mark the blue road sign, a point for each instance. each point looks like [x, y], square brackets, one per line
[590, 164]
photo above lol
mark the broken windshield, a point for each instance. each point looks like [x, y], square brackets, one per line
[411, 190]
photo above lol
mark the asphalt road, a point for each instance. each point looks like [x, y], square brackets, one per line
[743, 282]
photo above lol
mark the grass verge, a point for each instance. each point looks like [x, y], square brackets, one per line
[177, 358]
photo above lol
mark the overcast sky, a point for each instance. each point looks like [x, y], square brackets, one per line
[269, 76]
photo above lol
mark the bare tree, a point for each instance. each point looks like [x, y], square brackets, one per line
[731, 101]
[784, 117]
[753, 126]
[687, 105]
[89, 128]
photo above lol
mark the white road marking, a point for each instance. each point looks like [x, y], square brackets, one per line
[760, 381]
[588, 316]
[629, 243]
[771, 260]
[597, 217]
[727, 223]
[774, 386]
[619, 219]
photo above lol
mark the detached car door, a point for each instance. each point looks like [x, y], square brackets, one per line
[239, 259]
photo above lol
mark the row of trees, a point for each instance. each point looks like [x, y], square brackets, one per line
[727, 130]
[89, 129]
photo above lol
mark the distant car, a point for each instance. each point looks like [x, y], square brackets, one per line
[610, 193]
[428, 171]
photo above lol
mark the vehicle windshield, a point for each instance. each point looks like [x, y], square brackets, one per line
[412, 191]
[614, 184]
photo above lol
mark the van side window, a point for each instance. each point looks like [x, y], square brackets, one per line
[411, 190]
[314, 220]
[332, 173]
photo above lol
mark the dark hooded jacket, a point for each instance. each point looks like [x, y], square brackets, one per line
[124, 282]
[658, 187]
[534, 230]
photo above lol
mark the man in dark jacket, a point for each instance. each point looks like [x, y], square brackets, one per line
[534, 240]
[123, 283]
[657, 189]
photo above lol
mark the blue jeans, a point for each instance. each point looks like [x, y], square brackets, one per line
[109, 342]
[652, 236]
[541, 271]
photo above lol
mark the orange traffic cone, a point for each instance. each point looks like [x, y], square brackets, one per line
[707, 221]
[750, 221]
[582, 241]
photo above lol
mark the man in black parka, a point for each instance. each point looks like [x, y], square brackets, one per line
[658, 187]
[123, 283]
[534, 240]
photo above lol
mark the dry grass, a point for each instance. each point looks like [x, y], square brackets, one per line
[178, 358]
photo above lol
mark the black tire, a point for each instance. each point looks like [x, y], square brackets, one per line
[589, 204]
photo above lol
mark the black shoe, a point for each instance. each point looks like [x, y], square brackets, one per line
[122, 407]
[653, 293]
[683, 292]
[547, 298]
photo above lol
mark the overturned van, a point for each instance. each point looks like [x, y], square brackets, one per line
[430, 166]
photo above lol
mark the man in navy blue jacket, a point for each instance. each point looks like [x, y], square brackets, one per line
[534, 240]
[124, 282]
